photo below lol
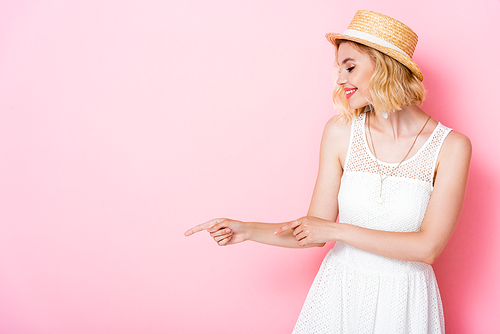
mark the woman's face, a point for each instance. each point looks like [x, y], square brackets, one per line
[355, 71]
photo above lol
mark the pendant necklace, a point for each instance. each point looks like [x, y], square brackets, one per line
[382, 179]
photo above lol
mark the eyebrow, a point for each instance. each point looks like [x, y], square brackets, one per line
[346, 60]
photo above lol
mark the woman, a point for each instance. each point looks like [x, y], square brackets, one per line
[394, 177]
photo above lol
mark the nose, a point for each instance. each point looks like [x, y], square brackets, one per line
[341, 80]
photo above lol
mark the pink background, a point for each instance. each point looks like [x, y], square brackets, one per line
[123, 123]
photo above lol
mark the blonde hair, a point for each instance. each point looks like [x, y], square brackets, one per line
[392, 85]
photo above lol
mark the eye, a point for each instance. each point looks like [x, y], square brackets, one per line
[350, 69]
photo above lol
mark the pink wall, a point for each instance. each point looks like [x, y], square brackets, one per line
[124, 123]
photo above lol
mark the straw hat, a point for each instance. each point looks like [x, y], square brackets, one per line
[384, 34]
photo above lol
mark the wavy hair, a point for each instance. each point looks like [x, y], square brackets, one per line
[392, 85]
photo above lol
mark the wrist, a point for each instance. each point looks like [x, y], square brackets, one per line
[339, 231]
[247, 231]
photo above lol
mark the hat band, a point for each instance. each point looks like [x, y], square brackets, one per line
[373, 39]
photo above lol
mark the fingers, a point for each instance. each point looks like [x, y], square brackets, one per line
[288, 226]
[220, 224]
[301, 236]
[218, 229]
[221, 232]
[224, 241]
[222, 236]
[203, 226]
[304, 242]
[298, 230]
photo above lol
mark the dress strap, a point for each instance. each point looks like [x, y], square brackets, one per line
[354, 126]
[440, 136]
[356, 153]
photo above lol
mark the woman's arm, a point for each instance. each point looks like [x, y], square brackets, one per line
[323, 205]
[439, 221]
[229, 232]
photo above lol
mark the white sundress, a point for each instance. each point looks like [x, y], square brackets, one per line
[360, 292]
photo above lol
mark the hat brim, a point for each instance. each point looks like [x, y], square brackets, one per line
[400, 57]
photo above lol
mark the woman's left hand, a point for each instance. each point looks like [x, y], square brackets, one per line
[310, 230]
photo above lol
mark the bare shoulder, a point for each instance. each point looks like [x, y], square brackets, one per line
[338, 128]
[456, 147]
[336, 136]
[457, 143]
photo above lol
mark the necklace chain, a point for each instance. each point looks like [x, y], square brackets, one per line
[382, 179]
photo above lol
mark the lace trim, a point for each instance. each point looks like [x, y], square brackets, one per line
[420, 166]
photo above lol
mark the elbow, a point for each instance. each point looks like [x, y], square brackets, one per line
[431, 256]
[429, 259]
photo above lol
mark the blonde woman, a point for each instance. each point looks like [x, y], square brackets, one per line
[394, 179]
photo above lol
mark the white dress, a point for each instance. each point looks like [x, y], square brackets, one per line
[360, 292]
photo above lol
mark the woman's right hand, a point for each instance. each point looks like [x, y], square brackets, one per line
[224, 231]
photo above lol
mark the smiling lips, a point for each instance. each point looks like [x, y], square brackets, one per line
[349, 92]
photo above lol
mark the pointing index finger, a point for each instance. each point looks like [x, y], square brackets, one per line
[201, 227]
[288, 226]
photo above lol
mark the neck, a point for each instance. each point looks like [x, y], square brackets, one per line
[399, 123]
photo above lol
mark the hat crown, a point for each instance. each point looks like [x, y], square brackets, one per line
[386, 28]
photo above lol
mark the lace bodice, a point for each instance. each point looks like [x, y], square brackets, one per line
[420, 166]
[406, 192]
